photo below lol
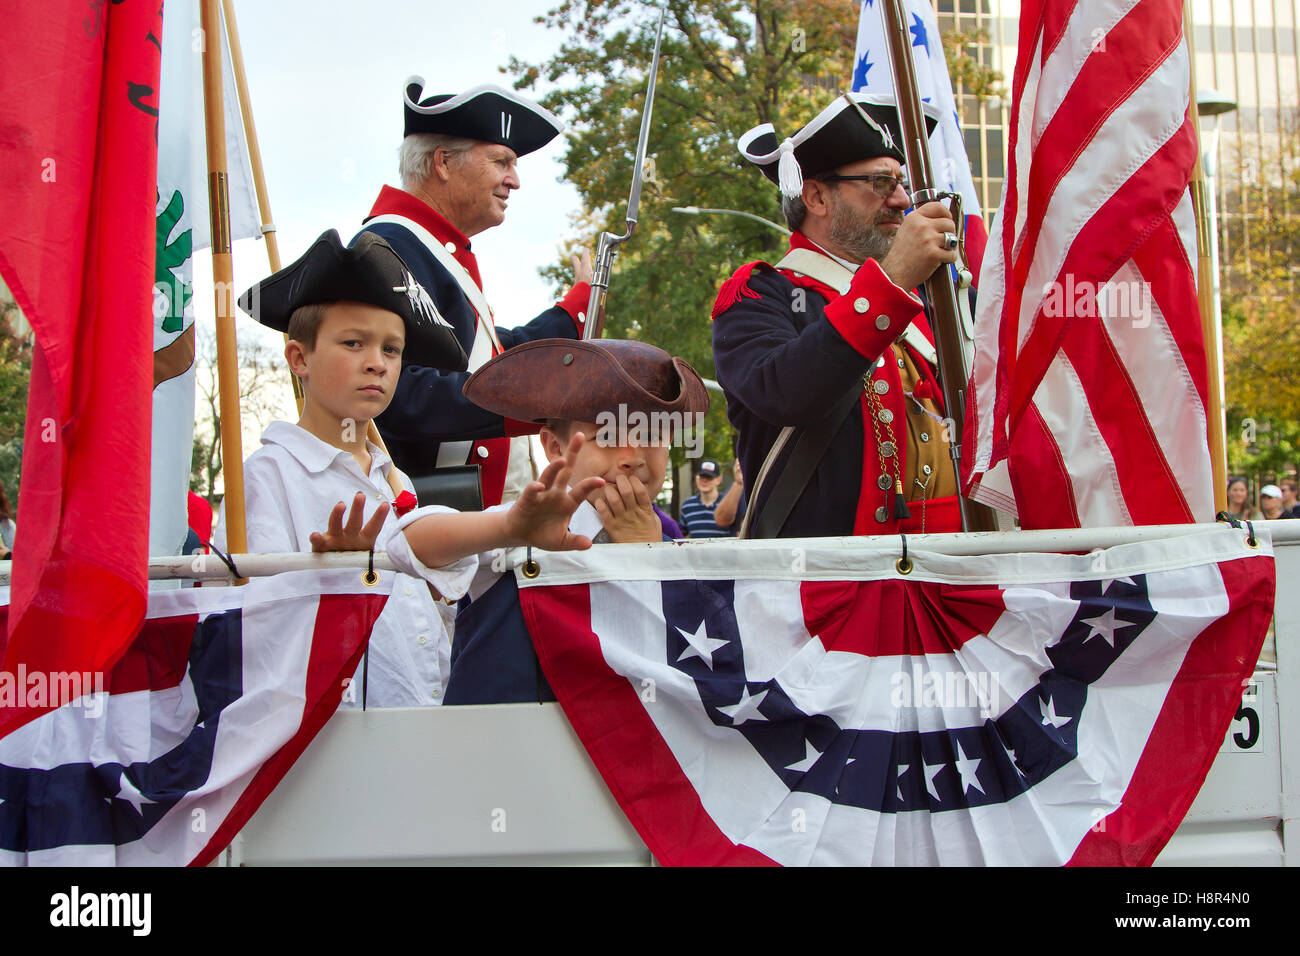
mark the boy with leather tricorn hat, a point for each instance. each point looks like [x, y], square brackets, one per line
[611, 410]
[353, 315]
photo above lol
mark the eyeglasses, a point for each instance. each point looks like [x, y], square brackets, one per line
[882, 184]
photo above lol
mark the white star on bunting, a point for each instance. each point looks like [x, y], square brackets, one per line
[968, 769]
[930, 774]
[127, 791]
[898, 780]
[1106, 625]
[810, 757]
[700, 645]
[746, 708]
[1050, 716]
[1107, 582]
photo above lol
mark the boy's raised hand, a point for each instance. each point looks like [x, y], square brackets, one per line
[541, 515]
[627, 512]
[352, 536]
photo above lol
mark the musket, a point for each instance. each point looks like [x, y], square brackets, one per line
[609, 243]
[952, 341]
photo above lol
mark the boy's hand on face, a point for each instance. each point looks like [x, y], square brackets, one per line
[541, 515]
[352, 536]
[626, 511]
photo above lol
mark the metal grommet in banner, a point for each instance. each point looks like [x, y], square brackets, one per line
[370, 578]
[1251, 540]
[530, 568]
[903, 564]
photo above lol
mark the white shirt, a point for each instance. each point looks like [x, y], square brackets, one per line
[290, 485]
[584, 520]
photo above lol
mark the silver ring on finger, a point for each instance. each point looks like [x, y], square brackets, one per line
[950, 240]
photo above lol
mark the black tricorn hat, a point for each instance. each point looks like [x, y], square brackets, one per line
[487, 113]
[855, 126]
[369, 272]
[578, 380]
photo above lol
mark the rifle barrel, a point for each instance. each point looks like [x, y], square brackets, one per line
[609, 243]
[941, 292]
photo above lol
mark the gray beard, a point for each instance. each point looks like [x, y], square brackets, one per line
[861, 240]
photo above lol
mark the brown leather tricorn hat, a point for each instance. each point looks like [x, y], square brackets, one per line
[577, 380]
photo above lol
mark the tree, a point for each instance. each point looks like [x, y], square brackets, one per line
[1261, 365]
[15, 376]
[264, 386]
[727, 65]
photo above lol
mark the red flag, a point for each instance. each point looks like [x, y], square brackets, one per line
[78, 123]
[1089, 388]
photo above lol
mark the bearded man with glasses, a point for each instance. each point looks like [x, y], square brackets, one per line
[826, 357]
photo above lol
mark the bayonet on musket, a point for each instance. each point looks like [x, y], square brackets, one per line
[609, 243]
[942, 293]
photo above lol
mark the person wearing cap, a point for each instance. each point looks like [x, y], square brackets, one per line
[700, 512]
[458, 169]
[1270, 503]
[577, 389]
[352, 315]
[826, 358]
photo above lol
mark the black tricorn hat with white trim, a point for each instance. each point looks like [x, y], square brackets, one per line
[369, 272]
[855, 126]
[487, 113]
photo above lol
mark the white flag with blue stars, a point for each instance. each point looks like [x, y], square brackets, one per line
[872, 74]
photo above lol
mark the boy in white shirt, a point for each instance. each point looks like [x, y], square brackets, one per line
[352, 315]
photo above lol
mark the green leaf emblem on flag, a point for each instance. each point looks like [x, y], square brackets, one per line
[169, 257]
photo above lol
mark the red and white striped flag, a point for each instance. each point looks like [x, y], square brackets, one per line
[1088, 394]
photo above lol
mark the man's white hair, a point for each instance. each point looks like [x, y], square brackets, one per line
[415, 159]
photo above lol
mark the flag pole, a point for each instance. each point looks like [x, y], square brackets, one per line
[264, 207]
[223, 279]
[1215, 422]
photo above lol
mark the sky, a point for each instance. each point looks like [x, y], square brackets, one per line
[326, 81]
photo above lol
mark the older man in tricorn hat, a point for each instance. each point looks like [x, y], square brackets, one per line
[826, 357]
[458, 168]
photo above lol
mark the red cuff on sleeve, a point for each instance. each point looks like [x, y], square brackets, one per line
[575, 301]
[872, 301]
[515, 428]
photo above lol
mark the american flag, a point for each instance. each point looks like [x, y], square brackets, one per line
[1088, 393]
[805, 703]
[872, 74]
[161, 761]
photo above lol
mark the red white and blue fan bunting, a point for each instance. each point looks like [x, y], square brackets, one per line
[163, 759]
[803, 703]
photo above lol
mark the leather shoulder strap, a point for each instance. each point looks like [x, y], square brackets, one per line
[803, 461]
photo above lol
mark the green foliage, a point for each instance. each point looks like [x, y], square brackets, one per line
[11, 467]
[1261, 362]
[15, 376]
[727, 65]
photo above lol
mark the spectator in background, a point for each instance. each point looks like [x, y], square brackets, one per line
[1290, 499]
[1270, 502]
[7, 526]
[1238, 501]
[710, 514]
